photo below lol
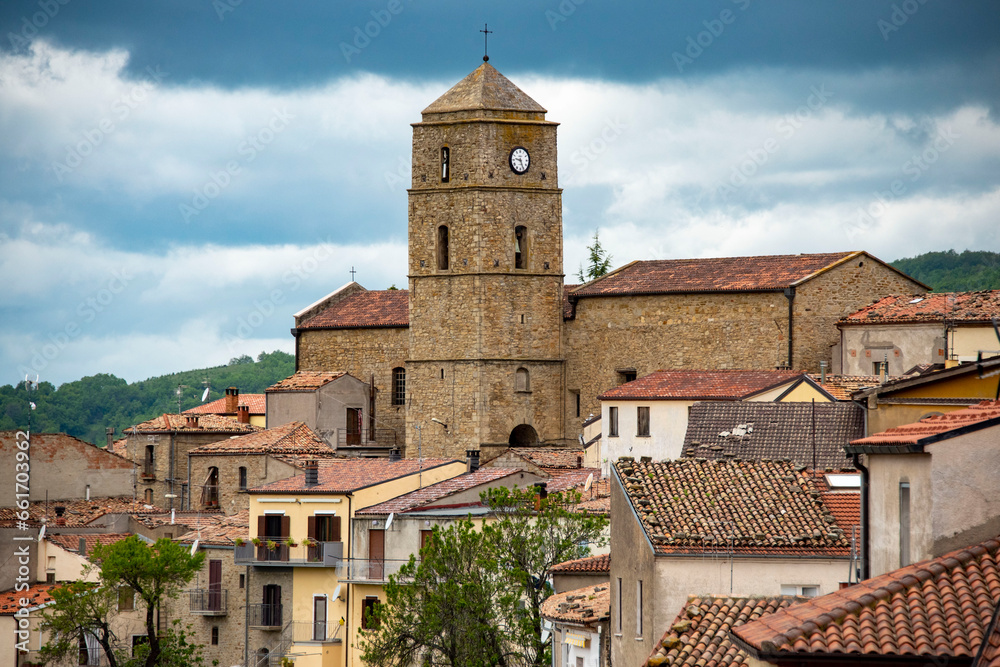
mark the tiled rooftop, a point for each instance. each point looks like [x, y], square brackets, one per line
[754, 431]
[941, 609]
[221, 531]
[484, 88]
[911, 437]
[699, 636]
[72, 542]
[255, 402]
[842, 386]
[290, 438]
[416, 500]
[186, 519]
[562, 479]
[209, 423]
[989, 652]
[77, 512]
[37, 594]
[721, 274]
[703, 385]
[306, 381]
[552, 457]
[371, 308]
[693, 506]
[346, 475]
[958, 307]
[583, 606]
[600, 564]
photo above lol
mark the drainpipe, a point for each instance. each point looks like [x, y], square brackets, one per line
[295, 335]
[790, 295]
[865, 569]
[246, 617]
[173, 437]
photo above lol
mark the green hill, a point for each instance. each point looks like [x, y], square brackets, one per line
[951, 271]
[84, 408]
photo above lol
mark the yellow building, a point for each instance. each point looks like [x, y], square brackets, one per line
[300, 538]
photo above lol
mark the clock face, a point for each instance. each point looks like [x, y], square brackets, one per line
[519, 160]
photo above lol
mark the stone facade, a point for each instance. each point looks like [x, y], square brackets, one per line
[261, 469]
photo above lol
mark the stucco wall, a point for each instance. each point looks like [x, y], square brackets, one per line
[667, 427]
[969, 341]
[904, 345]
[887, 472]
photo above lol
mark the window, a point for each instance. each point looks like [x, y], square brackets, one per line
[243, 478]
[210, 490]
[445, 164]
[442, 247]
[576, 399]
[50, 577]
[613, 422]
[798, 590]
[627, 374]
[126, 598]
[879, 367]
[638, 608]
[243, 581]
[148, 496]
[369, 607]
[215, 635]
[904, 524]
[319, 618]
[137, 641]
[149, 464]
[425, 535]
[642, 421]
[399, 386]
[522, 380]
[520, 247]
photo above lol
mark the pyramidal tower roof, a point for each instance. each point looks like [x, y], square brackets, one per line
[484, 89]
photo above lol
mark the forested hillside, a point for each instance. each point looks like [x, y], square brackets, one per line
[84, 408]
[951, 271]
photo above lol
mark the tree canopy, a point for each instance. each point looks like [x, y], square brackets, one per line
[950, 271]
[598, 262]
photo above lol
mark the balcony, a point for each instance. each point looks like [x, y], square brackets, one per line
[318, 554]
[208, 602]
[148, 472]
[264, 616]
[366, 442]
[360, 571]
[313, 631]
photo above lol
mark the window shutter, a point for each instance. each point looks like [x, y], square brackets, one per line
[311, 528]
[286, 526]
[261, 527]
[336, 529]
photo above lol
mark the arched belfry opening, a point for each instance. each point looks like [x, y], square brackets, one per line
[523, 436]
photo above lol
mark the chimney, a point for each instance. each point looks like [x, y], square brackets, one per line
[243, 414]
[579, 461]
[822, 372]
[395, 454]
[472, 455]
[109, 433]
[541, 493]
[60, 510]
[312, 473]
[232, 399]
[191, 421]
[83, 546]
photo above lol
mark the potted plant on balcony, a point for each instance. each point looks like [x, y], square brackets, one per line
[291, 543]
[271, 545]
[256, 541]
[239, 541]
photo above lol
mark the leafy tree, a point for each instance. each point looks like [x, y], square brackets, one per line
[474, 598]
[599, 262]
[155, 573]
[950, 271]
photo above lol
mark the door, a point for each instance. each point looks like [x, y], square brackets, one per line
[353, 426]
[271, 609]
[376, 554]
[319, 618]
[215, 585]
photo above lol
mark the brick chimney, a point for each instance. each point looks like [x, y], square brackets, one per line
[395, 454]
[472, 456]
[232, 399]
[192, 421]
[312, 473]
[243, 414]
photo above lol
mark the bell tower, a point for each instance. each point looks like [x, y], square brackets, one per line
[485, 272]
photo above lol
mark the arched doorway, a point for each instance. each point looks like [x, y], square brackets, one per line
[523, 436]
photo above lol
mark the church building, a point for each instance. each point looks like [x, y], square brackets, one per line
[488, 348]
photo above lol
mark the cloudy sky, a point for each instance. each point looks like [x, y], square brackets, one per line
[177, 178]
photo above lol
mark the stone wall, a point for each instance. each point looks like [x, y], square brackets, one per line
[361, 352]
[261, 470]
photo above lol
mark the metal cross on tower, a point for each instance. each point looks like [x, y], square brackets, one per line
[486, 36]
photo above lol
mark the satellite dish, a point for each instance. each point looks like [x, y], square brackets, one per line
[204, 396]
[589, 482]
[388, 522]
[336, 592]
[41, 534]
[194, 547]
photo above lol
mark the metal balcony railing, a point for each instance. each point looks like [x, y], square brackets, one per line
[364, 570]
[266, 616]
[318, 554]
[208, 601]
[377, 437]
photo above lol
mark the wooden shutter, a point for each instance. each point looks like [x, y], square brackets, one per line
[311, 528]
[286, 526]
[336, 529]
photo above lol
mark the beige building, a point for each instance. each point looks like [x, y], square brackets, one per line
[334, 404]
[580, 621]
[744, 528]
[488, 348]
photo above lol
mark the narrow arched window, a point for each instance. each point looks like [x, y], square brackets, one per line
[243, 478]
[522, 380]
[442, 247]
[520, 247]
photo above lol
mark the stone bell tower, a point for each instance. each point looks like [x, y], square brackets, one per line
[485, 272]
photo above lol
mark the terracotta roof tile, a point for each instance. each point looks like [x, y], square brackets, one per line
[256, 403]
[416, 500]
[371, 308]
[209, 423]
[37, 594]
[221, 530]
[567, 304]
[941, 607]
[77, 512]
[306, 381]
[700, 385]
[753, 431]
[842, 386]
[600, 563]
[290, 438]
[484, 88]
[561, 479]
[940, 307]
[552, 457]
[585, 606]
[346, 475]
[694, 506]
[722, 274]
[989, 652]
[700, 633]
[186, 519]
[72, 542]
[931, 429]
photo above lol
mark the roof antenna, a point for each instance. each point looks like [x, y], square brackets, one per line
[486, 36]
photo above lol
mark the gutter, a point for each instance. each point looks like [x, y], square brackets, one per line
[865, 480]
